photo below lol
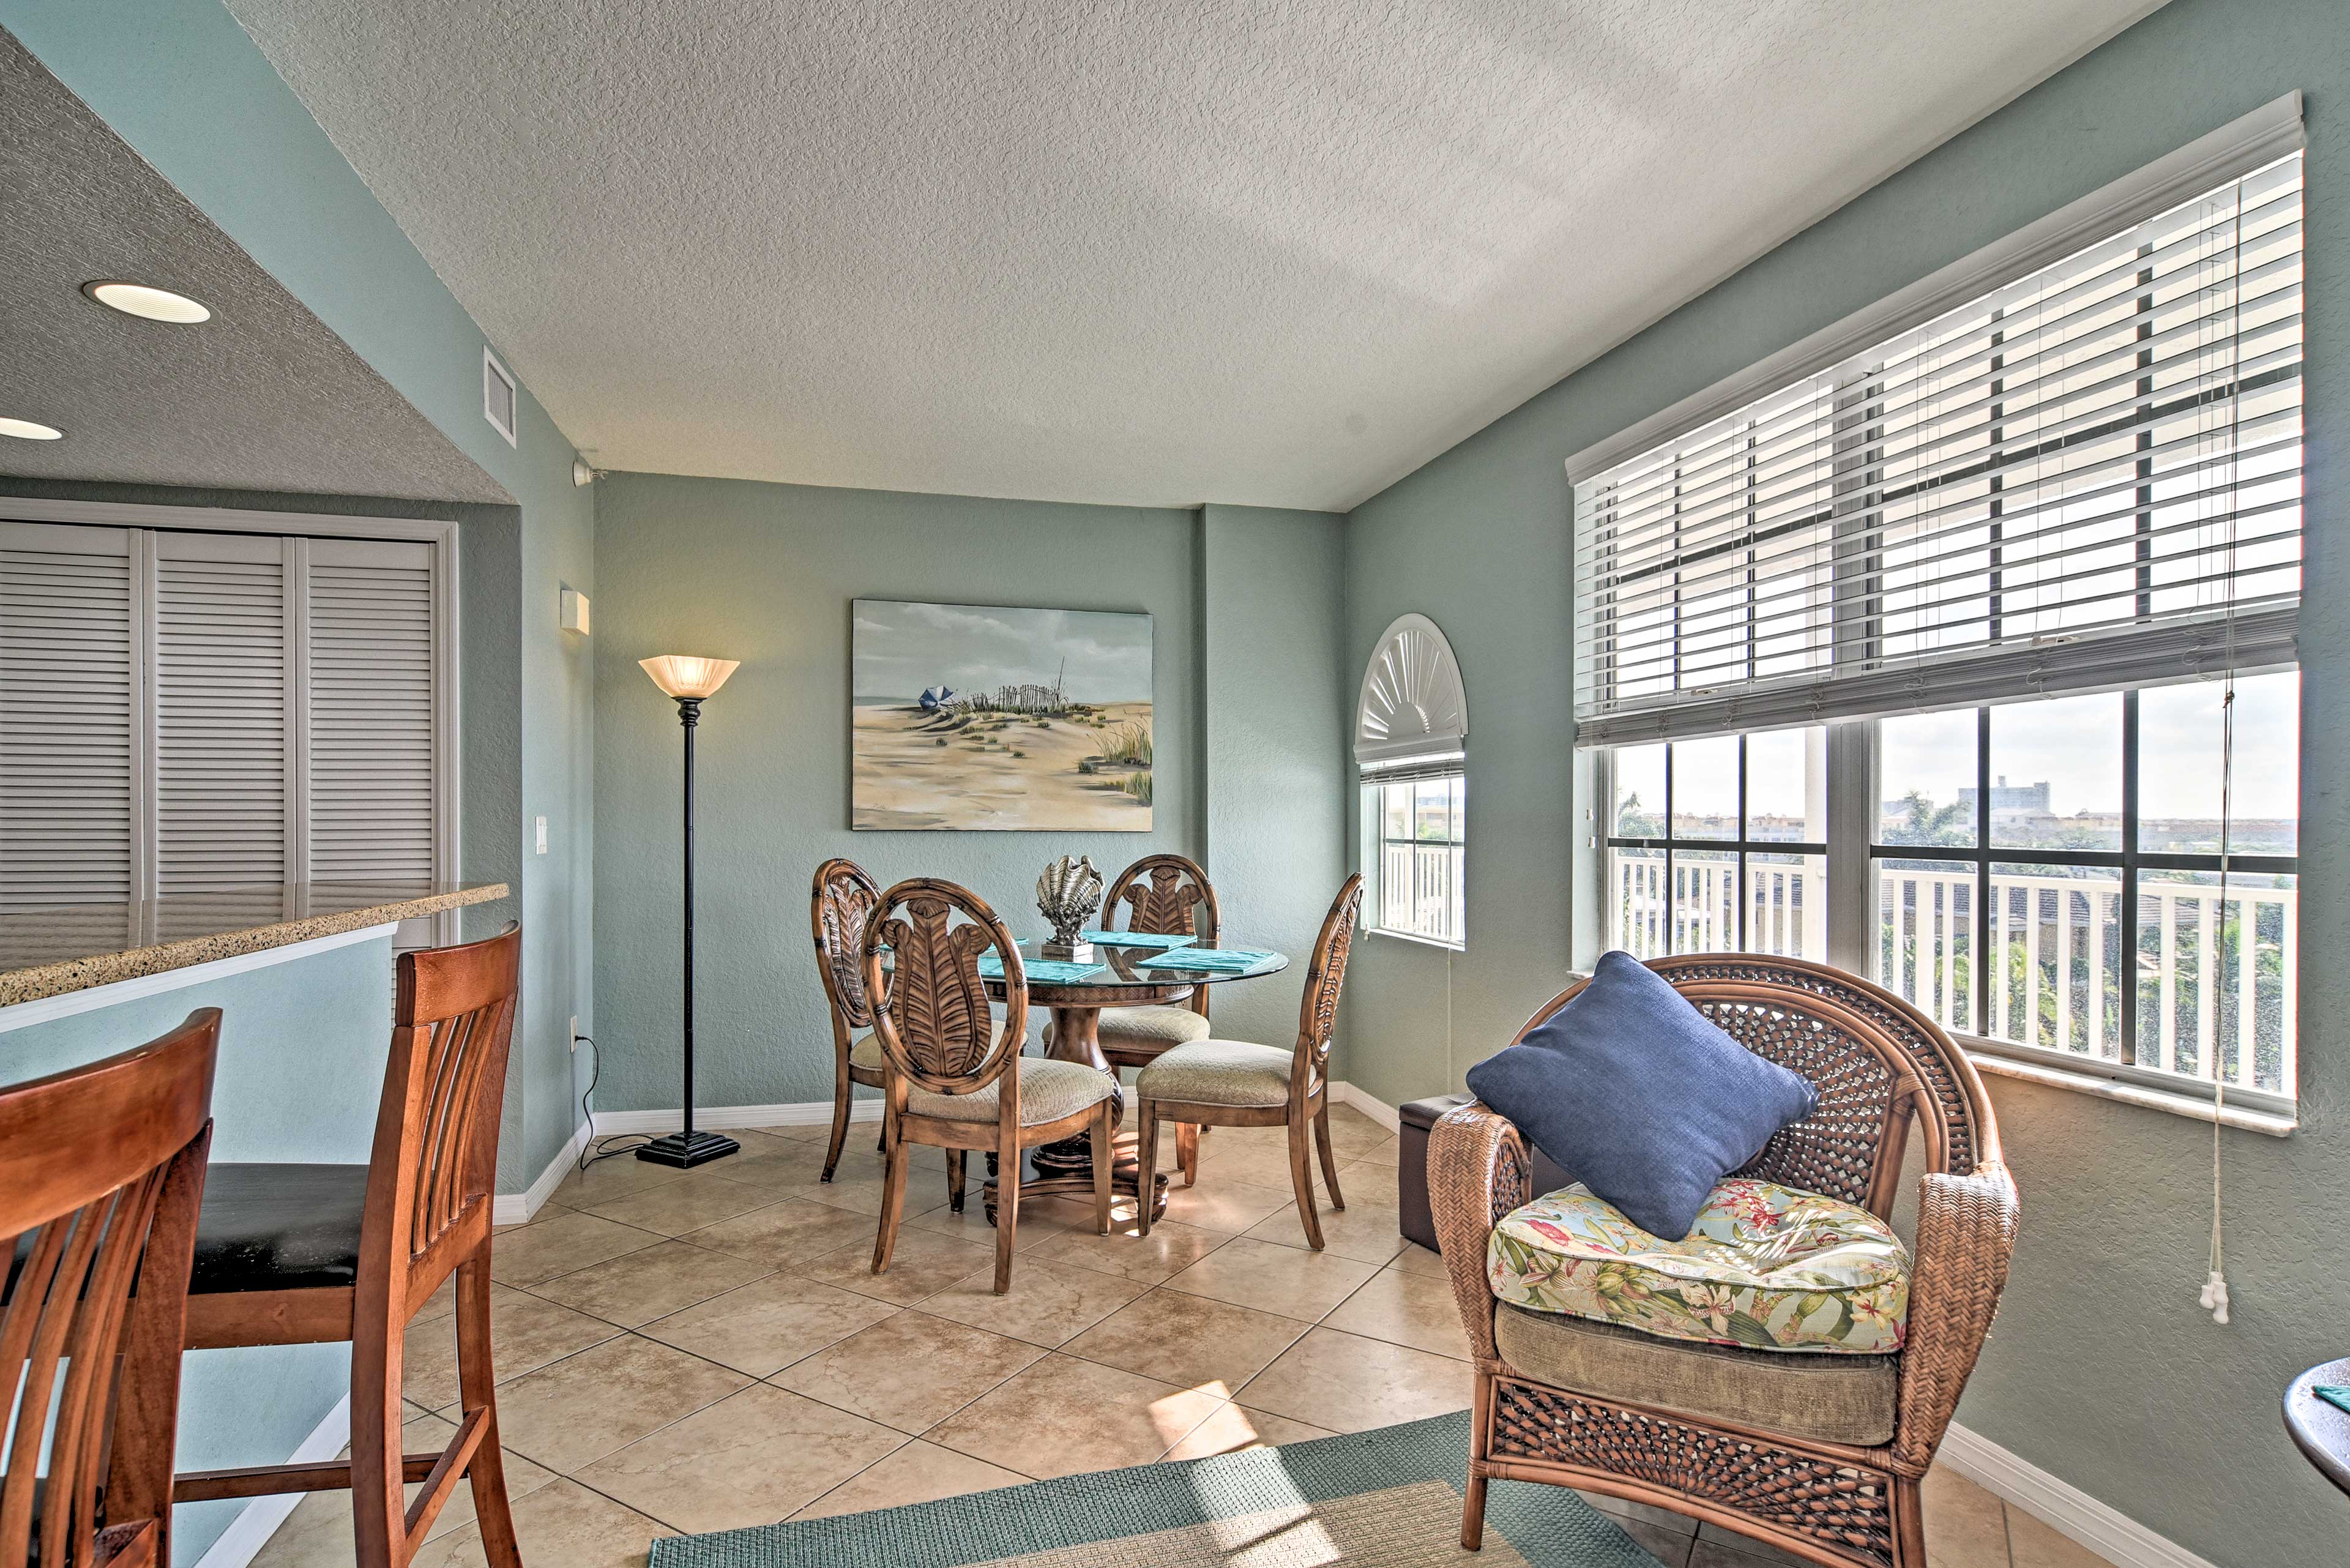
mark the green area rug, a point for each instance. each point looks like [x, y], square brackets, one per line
[1387, 1499]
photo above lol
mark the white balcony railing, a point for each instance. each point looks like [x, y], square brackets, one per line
[1420, 889]
[1787, 914]
[2213, 982]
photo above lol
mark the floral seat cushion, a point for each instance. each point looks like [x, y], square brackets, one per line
[1766, 1268]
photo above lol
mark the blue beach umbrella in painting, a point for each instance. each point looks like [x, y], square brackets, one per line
[935, 697]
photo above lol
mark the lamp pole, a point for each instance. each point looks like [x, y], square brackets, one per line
[688, 1147]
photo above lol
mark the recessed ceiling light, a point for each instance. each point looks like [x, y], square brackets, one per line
[152, 303]
[26, 430]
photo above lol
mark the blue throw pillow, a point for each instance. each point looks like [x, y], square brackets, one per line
[1637, 1096]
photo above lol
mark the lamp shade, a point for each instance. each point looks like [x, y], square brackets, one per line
[683, 676]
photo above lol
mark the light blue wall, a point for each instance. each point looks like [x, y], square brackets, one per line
[1275, 711]
[2101, 1368]
[301, 1065]
[183, 85]
[764, 574]
[1243, 604]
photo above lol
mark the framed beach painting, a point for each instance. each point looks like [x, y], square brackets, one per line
[989, 717]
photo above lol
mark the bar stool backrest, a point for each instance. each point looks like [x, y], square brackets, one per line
[434, 1165]
[99, 1167]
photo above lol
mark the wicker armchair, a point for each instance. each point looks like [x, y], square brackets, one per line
[1881, 1067]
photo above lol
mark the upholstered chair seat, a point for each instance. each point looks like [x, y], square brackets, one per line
[1140, 1031]
[1826, 1399]
[867, 1055]
[1220, 1072]
[1049, 1090]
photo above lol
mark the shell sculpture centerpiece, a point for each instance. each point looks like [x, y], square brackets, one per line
[1067, 894]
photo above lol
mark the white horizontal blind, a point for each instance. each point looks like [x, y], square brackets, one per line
[70, 695]
[372, 713]
[2063, 485]
[225, 741]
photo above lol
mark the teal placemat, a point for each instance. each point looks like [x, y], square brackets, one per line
[1136, 939]
[1047, 972]
[1233, 959]
[2334, 1394]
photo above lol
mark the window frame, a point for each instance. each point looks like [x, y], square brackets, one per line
[1742, 845]
[1854, 846]
[1374, 841]
[2128, 862]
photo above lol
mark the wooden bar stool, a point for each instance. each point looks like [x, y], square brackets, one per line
[309, 1255]
[102, 1170]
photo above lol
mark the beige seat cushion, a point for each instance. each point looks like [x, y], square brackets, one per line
[867, 1053]
[1830, 1398]
[1149, 1028]
[1049, 1090]
[1219, 1072]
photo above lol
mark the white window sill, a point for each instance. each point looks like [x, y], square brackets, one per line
[1417, 940]
[2051, 1075]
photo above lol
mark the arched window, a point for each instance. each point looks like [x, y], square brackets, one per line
[1411, 748]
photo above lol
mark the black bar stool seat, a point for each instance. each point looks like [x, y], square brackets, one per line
[279, 1228]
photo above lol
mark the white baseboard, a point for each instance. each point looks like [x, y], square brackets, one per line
[520, 1207]
[805, 1113]
[2062, 1506]
[241, 1542]
[1379, 1111]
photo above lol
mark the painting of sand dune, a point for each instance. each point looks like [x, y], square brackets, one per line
[990, 718]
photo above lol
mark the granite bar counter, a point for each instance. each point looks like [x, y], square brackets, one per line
[303, 977]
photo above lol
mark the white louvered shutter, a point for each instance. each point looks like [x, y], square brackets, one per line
[372, 713]
[226, 769]
[69, 697]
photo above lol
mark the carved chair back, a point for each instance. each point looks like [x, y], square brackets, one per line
[930, 1007]
[101, 1168]
[1169, 896]
[1166, 895]
[843, 897]
[1326, 976]
[434, 1164]
[1877, 1062]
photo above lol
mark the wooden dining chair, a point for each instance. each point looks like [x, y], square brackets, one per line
[951, 1077]
[1239, 1083]
[102, 1170]
[1165, 895]
[311, 1254]
[842, 896]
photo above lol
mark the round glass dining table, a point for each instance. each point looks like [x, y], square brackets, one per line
[1118, 976]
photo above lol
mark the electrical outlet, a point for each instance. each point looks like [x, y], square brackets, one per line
[574, 1034]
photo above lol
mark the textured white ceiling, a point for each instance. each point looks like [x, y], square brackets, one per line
[1272, 252]
[261, 397]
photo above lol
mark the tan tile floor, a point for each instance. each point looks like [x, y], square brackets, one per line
[681, 1352]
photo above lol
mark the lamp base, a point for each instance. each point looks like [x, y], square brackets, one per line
[686, 1150]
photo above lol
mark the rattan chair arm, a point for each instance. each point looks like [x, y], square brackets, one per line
[1477, 1171]
[1966, 1234]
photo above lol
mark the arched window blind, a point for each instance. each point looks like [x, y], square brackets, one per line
[1412, 720]
[2085, 477]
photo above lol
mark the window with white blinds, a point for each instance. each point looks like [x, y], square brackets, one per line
[186, 713]
[2084, 479]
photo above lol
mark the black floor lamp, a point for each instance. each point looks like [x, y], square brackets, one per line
[690, 682]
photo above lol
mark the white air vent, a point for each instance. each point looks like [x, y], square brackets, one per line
[498, 396]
